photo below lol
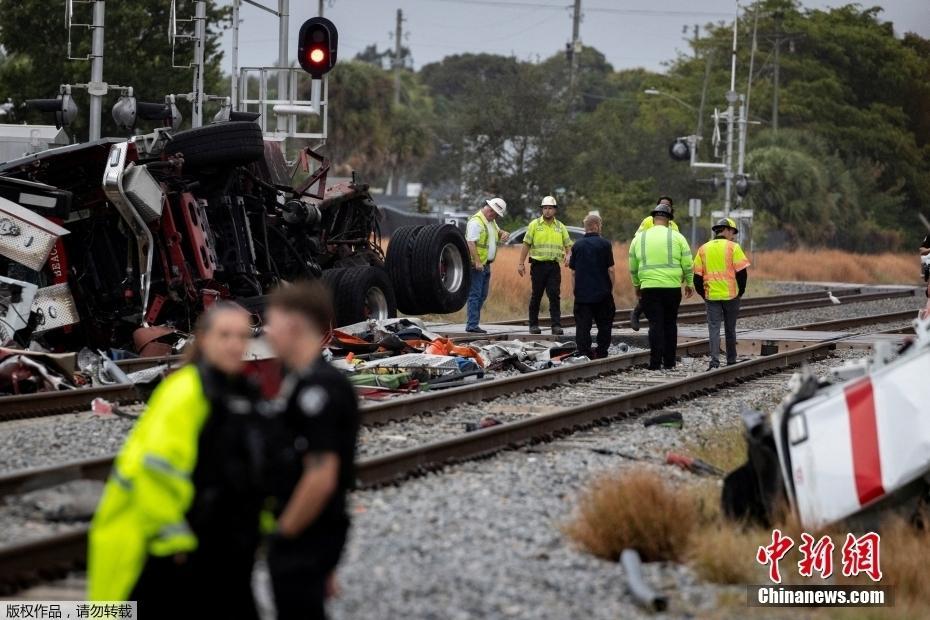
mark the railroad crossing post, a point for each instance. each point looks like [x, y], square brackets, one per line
[96, 87]
[694, 211]
[200, 31]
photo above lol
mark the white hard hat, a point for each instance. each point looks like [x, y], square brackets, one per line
[497, 205]
[549, 201]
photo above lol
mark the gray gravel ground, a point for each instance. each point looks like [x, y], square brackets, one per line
[450, 422]
[61, 438]
[483, 539]
[829, 313]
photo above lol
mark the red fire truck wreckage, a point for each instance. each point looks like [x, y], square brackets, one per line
[120, 243]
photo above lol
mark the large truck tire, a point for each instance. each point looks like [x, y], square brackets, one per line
[442, 274]
[363, 293]
[233, 143]
[399, 268]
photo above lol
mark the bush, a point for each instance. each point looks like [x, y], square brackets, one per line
[638, 510]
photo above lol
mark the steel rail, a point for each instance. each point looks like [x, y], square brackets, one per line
[387, 468]
[23, 481]
[888, 317]
[405, 407]
[64, 401]
[41, 404]
[27, 561]
[700, 317]
[745, 303]
[35, 560]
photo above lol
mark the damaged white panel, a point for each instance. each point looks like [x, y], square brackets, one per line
[26, 237]
[55, 307]
[854, 443]
[16, 297]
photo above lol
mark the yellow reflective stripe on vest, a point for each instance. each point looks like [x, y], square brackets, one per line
[545, 241]
[715, 263]
[644, 257]
[482, 243]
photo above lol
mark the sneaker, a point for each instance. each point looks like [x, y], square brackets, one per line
[634, 318]
[557, 331]
[534, 329]
[475, 330]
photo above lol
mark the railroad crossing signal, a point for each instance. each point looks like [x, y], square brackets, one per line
[317, 44]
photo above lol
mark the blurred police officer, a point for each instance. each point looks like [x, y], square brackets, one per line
[316, 417]
[720, 277]
[547, 243]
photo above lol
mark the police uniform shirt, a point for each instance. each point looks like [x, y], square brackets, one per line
[318, 414]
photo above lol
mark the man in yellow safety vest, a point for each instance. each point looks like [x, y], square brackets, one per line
[720, 278]
[482, 235]
[660, 263]
[547, 243]
[637, 312]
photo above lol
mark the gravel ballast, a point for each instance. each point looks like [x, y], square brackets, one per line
[483, 539]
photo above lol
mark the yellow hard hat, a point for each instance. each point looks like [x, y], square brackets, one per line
[725, 223]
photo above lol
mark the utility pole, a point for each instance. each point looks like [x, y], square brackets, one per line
[234, 74]
[320, 11]
[200, 28]
[398, 63]
[573, 66]
[283, 60]
[96, 88]
[775, 79]
[697, 32]
[732, 98]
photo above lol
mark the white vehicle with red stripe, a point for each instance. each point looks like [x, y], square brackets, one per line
[861, 443]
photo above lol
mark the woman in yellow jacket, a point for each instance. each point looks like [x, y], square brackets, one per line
[177, 526]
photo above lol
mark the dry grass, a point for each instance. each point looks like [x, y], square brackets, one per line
[634, 509]
[722, 447]
[836, 266]
[510, 293]
[637, 508]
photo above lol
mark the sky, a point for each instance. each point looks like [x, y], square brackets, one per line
[631, 33]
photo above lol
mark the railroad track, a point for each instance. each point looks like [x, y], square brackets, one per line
[27, 406]
[746, 302]
[406, 407]
[22, 563]
[53, 403]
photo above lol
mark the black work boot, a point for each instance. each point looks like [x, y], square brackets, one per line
[635, 313]
[557, 330]
[534, 329]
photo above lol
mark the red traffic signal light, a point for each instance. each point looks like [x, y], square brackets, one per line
[317, 44]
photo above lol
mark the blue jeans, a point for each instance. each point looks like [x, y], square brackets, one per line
[480, 283]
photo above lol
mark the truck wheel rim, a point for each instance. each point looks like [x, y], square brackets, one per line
[376, 306]
[451, 268]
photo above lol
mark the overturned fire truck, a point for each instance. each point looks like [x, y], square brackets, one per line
[121, 243]
[103, 242]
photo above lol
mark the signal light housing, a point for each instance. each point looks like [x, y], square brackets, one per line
[317, 44]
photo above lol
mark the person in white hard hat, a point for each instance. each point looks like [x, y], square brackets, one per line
[482, 235]
[548, 245]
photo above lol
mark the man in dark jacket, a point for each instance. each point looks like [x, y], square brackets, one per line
[592, 265]
[316, 415]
